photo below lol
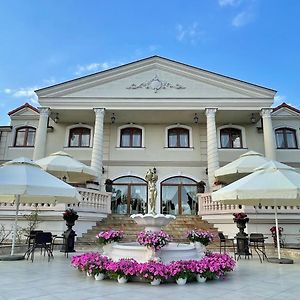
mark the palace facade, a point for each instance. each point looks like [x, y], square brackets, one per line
[183, 121]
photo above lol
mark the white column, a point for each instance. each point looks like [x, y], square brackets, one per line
[268, 133]
[97, 153]
[212, 145]
[41, 134]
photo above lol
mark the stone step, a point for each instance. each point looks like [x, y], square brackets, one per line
[177, 228]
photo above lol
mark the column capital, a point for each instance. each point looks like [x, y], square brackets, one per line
[99, 111]
[210, 111]
[266, 112]
[44, 111]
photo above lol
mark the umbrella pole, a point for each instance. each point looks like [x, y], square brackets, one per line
[15, 226]
[277, 233]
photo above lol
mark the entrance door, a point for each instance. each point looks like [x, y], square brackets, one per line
[129, 195]
[178, 196]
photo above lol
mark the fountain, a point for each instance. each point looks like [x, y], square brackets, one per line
[153, 222]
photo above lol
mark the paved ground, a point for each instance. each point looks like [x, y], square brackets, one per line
[58, 280]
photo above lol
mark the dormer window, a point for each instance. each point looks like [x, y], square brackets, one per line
[25, 137]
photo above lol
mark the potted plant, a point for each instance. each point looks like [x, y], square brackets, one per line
[179, 271]
[274, 234]
[201, 239]
[107, 238]
[70, 216]
[154, 241]
[123, 269]
[153, 271]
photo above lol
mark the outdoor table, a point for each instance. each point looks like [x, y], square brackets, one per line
[258, 245]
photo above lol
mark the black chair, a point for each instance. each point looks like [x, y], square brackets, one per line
[257, 242]
[30, 241]
[43, 241]
[226, 243]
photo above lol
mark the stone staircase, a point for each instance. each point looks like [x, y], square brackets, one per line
[177, 229]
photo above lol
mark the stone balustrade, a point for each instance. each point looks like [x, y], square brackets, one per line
[92, 201]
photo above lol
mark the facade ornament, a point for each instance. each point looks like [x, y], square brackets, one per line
[155, 84]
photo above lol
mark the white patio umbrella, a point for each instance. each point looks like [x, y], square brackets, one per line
[61, 164]
[271, 184]
[23, 181]
[240, 167]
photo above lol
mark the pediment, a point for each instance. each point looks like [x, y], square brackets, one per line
[25, 111]
[155, 78]
[285, 112]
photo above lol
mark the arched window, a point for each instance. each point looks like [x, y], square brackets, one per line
[129, 195]
[25, 137]
[231, 138]
[131, 137]
[178, 137]
[286, 138]
[79, 137]
[178, 196]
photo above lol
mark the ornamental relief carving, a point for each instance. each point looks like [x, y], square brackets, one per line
[155, 84]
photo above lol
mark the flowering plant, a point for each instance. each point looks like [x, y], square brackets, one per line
[125, 267]
[70, 215]
[106, 237]
[154, 240]
[179, 269]
[240, 216]
[153, 270]
[273, 230]
[212, 266]
[204, 237]
[84, 261]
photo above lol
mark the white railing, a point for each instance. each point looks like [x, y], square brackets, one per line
[208, 206]
[92, 201]
[96, 200]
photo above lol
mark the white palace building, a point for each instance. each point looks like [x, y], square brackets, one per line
[183, 121]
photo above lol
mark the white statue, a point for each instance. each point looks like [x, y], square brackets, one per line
[151, 177]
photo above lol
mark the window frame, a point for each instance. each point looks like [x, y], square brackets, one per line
[285, 130]
[132, 131]
[179, 126]
[243, 137]
[178, 132]
[82, 129]
[27, 128]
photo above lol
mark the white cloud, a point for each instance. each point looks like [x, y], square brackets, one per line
[190, 33]
[279, 99]
[95, 67]
[28, 94]
[7, 91]
[242, 19]
[229, 2]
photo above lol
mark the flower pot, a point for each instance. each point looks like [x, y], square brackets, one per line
[181, 281]
[88, 274]
[201, 249]
[200, 279]
[122, 279]
[107, 248]
[99, 276]
[155, 282]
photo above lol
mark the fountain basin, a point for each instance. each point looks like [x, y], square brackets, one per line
[172, 251]
[153, 222]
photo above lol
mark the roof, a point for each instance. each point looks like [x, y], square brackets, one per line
[284, 105]
[153, 58]
[26, 105]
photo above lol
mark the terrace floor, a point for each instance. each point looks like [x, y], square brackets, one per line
[58, 280]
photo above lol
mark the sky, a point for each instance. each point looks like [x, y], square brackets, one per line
[44, 42]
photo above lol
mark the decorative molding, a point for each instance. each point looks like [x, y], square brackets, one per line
[156, 84]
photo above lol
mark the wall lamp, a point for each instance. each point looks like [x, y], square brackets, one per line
[56, 118]
[252, 119]
[113, 118]
[196, 118]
